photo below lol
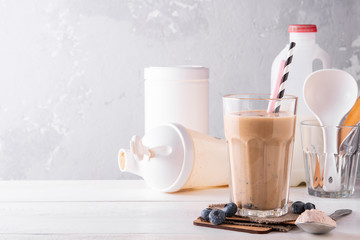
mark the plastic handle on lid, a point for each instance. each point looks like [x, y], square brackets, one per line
[139, 150]
[170, 152]
[302, 28]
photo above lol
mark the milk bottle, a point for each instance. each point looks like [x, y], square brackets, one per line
[306, 59]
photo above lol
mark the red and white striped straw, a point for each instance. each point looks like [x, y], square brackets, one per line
[285, 76]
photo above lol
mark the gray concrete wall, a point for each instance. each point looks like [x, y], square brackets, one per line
[71, 72]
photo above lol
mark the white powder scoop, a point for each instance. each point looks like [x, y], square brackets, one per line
[316, 221]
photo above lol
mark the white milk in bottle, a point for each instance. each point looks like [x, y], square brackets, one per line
[308, 57]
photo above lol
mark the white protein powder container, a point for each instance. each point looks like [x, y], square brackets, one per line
[179, 95]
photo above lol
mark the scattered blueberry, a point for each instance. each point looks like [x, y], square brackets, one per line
[217, 216]
[298, 207]
[309, 206]
[230, 209]
[205, 213]
[248, 205]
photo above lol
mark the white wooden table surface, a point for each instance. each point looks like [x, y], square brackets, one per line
[128, 209]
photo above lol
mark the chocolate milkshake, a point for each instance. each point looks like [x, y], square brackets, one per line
[260, 147]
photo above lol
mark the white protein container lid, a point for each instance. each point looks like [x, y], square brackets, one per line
[176, 73]
[172, 158]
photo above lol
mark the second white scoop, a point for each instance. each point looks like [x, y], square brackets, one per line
[330, 94]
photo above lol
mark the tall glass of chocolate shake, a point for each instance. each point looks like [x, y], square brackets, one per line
[260, 148]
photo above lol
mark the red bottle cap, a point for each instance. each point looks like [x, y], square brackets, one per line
[302, 28]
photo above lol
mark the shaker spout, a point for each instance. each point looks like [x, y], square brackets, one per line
[143, 152]
[127, 162]
[139, 150]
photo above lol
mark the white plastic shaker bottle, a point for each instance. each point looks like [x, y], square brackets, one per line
[177, 95]
[307, 56]
[170, 158]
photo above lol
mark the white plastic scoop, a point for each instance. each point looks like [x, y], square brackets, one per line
[330, 94]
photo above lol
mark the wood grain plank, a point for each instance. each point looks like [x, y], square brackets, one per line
[131, 210]
[98, 217]
[106, 190]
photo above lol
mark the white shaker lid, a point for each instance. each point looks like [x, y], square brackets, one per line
[176, 73]
[169, 163]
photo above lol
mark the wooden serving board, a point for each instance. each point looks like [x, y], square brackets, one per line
[244, 219]
[239, 228]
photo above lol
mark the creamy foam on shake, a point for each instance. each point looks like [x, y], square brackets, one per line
[260, 151]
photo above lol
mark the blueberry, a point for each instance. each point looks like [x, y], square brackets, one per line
[217, 216]
[230, 209]
[205, 213]
[298, 207]
[309, 206]
[248, 205]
